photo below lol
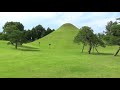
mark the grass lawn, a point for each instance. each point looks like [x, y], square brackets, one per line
[29, 61]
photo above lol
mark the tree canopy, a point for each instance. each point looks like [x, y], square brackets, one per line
[10, 26]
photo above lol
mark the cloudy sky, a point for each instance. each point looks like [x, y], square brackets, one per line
[96, 20]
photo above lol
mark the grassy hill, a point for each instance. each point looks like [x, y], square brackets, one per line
[61, 38]
[63, 60]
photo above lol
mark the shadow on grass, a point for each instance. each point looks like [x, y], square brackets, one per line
[95, 53]
[28, 48]
[102, 53]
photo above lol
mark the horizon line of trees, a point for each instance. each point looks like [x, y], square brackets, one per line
[17, 35]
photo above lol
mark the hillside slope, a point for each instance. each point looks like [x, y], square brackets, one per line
[61, 38]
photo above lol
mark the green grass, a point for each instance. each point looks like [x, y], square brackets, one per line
[62, 60]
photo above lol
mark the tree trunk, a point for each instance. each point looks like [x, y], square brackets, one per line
[90, 49]
[16, 45]
[83, 48]
[96, 50]
[117, 52]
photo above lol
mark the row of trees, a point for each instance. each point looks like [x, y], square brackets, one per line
[16, 34]
[110, 37]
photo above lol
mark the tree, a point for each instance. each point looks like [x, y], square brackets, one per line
[100, 35]
[113, 38]
[37, 32]
[80, 37]
[16, 37]
[3, 36]
[108, 27]
[23, 37]
[0, 36]
[87, 37]
[97, 41]
[10, 26]
[28, 35]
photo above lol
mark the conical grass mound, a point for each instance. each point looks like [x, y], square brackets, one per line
[61, 38]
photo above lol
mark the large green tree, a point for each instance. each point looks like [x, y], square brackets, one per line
[10, 26]
[14, 32]
[16, 37]
[115, 37]
[87, 37]
[112, 36]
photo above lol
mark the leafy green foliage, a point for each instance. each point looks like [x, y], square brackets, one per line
[16, 37]
[48, 31]
[29, 35]
[113, 35]
[108, 27]
[86, 36]
[115, 30]
[38, 31]
[10, 26]
[3, 36]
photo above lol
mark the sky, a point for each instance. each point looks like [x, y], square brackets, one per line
[95, 20]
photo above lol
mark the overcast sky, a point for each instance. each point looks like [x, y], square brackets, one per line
[96, 20]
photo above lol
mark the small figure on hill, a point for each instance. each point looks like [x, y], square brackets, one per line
[49, 45]
[39, 43]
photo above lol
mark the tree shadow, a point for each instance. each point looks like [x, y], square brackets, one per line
[102, 53]
[28, 48]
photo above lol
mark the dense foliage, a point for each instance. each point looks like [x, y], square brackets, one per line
[87, 37]
[112, 36]
[15, 33]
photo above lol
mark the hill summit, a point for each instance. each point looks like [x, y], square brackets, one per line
[67, 26]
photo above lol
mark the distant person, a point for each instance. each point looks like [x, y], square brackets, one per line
[39, 43]
[49, 45]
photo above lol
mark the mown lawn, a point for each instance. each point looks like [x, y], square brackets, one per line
[37, 62]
